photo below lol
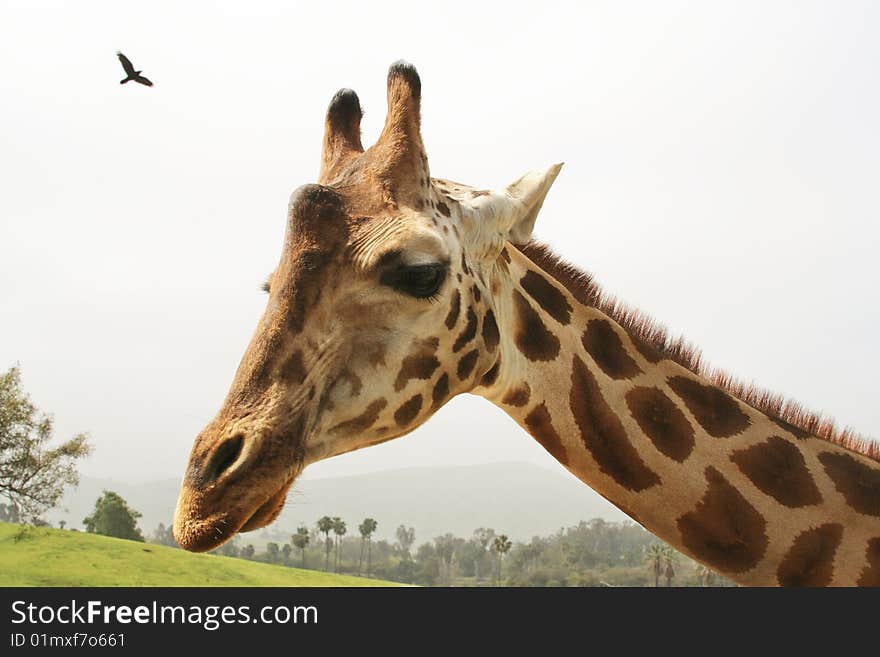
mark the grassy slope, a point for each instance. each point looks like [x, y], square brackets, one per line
[52, 557]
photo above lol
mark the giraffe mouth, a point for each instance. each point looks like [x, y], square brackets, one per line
[198, 530]
[268, 511]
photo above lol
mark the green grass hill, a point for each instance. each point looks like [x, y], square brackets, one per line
[39, 556]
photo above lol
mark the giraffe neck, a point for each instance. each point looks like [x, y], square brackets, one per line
[735, 488]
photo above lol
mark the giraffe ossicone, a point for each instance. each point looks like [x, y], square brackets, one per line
[396, 291]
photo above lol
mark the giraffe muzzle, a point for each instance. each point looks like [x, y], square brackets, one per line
[236, 486]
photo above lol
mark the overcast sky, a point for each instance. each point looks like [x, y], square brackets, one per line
[721, 173]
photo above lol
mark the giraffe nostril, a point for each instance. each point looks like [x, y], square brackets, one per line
[224, 457]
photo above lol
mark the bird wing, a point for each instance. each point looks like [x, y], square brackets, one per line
[143, 80]
[126, 63]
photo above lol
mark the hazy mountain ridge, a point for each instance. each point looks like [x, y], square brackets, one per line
[519, 499]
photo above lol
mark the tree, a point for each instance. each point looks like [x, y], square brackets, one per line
[501, 545]
[445, 550]
[339, 529]
[33, 476]
[483, 537]
[285, 553]
[9, 513]
[62, 524]
[669, 556]
[325, 525]
[113, 517]
[272, 553]
[301, 540]
[164, 535]
[406, 536]
[228, 549]
[366, 528]
[248, 551]
[655, 560]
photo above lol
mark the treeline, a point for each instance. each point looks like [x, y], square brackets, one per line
[591, 553]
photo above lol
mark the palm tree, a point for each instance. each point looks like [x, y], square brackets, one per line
[366, 528]
[655, 558]
[301, 540]
[501, 545]
[339, 529]
[325, 524]
[669, 572]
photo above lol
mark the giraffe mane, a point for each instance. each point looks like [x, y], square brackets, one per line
[640, 326]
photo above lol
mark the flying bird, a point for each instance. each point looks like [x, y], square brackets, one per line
[130, 72]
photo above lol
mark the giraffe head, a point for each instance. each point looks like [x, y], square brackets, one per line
[380, 310]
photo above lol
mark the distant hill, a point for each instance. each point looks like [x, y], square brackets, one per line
[38, 556]
[519, 499]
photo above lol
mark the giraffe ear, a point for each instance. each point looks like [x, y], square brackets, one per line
[527, 195]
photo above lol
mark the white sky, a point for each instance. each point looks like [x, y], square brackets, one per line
[721, 173]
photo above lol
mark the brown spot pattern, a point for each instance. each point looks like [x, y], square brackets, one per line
[491, 336]
[648, 352]
[606, 348]
[724, 530]
[408, 411]
[475, 293]
[797, 432]
[662, 422]
[505, 255]
[466, 364]
[416, 366]
[856, 481]
[441, 391]
[468, 332]
[454, 309]
[518, 396]
[779, 470]
[604, 435]
[547, 295]
[539, 424]
[870, 575]
[809, 561]
[444, 209]
[365, 420]
[294, 370]
[714, 409]
[531, 336]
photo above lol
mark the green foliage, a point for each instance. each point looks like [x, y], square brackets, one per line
[113, 517]
[366, 528]
[164, 536]
[52, 557]
[325, 525]
[301, 540]
[229, 548]
[32, 475]
[593, 553]
[406, 536]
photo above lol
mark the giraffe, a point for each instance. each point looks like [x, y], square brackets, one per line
[396, 291]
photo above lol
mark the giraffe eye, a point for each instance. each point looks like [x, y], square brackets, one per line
[420, 281]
